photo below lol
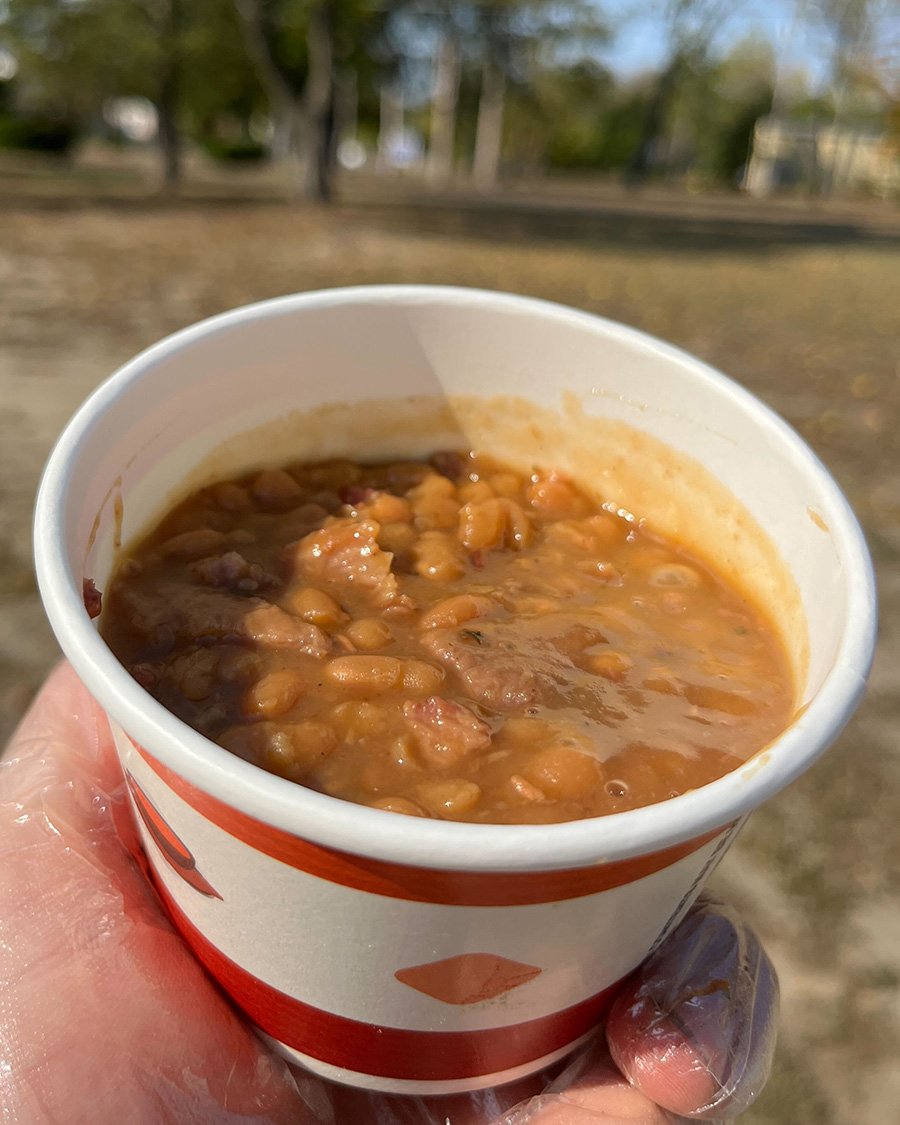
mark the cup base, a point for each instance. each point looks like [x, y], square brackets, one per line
[382, 1085]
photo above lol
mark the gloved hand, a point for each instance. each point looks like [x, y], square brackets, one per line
[106, 1018]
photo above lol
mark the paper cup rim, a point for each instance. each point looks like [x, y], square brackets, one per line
[445, 845]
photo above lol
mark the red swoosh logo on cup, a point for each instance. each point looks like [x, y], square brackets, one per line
[174, 851]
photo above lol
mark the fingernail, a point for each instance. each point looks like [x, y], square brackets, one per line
[713, 984]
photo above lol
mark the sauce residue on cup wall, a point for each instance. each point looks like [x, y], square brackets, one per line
[677, 496]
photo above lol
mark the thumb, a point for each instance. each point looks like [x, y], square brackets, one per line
[692, 1033]
[695, 1031]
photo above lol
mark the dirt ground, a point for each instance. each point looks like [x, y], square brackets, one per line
[802, 308]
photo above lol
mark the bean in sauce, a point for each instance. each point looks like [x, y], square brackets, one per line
[452, 639]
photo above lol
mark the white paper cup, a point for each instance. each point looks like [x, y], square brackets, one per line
[413, 955]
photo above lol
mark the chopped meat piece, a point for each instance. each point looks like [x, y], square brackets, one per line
[445, 732]
[145, 674]
[233, 572]
[354, 494]
[93, 599]
[492, 676]
[346, 553]
[449, 464]
[196, 615]
[503, 667]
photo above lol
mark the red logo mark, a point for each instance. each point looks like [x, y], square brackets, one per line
[469, 978]
[174, 851]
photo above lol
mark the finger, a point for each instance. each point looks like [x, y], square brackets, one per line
[590, 1091]
[695, 1031]
[104, 1015]
[479, 1108]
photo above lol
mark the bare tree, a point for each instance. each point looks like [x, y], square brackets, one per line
[304, 110]
[689, 27]
[489, 126]
[851, 27]
[445, 94]
[507, 38]
[495, 35]
[171, 18]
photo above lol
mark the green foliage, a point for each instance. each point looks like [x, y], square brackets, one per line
[360, 30]
[591, 123]
[622, 129]
[285, 23]
[237, 152]
[74, 55]
[724, 101]
[731, 147]
[812, 109]
[217, 80]
[37, 134]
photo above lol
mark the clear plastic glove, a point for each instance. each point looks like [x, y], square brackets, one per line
[106, 1018]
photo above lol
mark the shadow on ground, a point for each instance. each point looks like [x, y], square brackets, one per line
[607, 216]
[604, 226]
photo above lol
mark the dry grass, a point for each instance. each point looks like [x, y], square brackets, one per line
[805, 318]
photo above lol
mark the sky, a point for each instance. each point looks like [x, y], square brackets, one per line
[639, 44]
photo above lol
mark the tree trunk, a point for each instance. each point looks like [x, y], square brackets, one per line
[169, 141]
[318, 107]
[304, 118]
[654, 120]
[489, 128]
[390, 125]
[838, 173]
[283, 112]
[284, 102]
[346, 104]
[168, 96]
[439, 162]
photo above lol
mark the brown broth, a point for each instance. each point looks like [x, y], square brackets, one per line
[454, 639]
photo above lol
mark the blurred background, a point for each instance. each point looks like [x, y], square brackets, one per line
[722, 173]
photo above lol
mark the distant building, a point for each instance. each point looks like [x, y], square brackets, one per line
[787, 154]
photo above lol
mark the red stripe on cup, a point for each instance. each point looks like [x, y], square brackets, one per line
[390, 1052]
[422, 884]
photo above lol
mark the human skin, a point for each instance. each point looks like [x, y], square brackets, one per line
[106, 1017]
